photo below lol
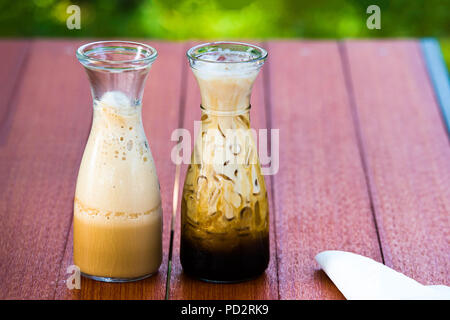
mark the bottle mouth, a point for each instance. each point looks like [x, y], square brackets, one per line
[226, 53]
[116, 56]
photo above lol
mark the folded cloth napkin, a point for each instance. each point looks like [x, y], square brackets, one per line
[362, 278]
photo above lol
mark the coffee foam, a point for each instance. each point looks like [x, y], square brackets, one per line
[118, 102]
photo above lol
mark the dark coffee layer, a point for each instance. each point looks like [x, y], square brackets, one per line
[242, 262]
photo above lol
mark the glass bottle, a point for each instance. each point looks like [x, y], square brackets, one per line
[224, 209]
[117, 223]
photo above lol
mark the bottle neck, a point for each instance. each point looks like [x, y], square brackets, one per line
[113, 118]
[130, 84]
[117, 97]
[224, 120]
[225, 91]
[117, 66]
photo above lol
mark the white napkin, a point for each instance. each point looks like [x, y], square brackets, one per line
[362, 278]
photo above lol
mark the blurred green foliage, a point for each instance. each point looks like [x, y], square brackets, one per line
[226, 19]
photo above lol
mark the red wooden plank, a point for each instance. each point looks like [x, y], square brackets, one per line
[160, 118]
[264, 287]
[40, 157]
[13, 55]
[321, 198]
[407, 154]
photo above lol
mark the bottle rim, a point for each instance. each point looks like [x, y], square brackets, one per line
[92, 55]
[257, 53]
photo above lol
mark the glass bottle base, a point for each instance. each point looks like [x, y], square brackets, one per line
[224, 281]
[116, 280]
[242, 263]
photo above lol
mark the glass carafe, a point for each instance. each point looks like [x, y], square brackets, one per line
[224, 209]
[117, 223]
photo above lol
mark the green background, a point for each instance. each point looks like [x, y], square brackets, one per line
[228, 19]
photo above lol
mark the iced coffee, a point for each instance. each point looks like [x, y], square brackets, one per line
[117, 209]
[224, 235]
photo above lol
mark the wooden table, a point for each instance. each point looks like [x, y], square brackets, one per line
[364, 164]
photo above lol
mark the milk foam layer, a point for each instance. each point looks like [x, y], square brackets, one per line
[225, 85]
[117, 172]
[117, 212]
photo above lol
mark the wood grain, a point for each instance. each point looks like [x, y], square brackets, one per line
[40, 156]
[160, 118]
[13, 55]
[407, 154]
[321, 199]
[359, 128]
[184, 287]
